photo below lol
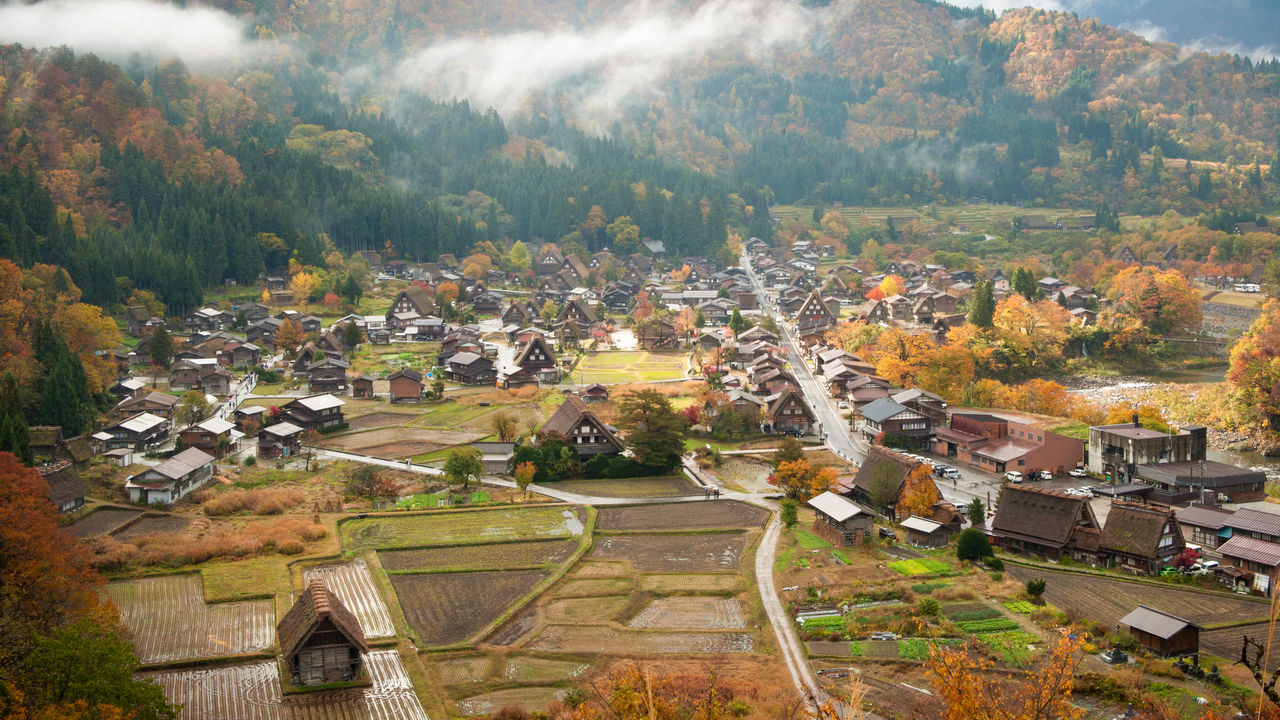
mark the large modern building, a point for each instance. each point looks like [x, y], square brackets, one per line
[1116, 451]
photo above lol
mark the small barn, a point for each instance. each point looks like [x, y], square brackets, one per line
[406, 385]
[497, 457]
[840, 520]
[1163, 634]
[362, 387]
[66, 489]
[320, 639]
[925, 532]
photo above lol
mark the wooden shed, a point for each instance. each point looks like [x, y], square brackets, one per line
[925, 532]
[362, 387]
[1163, 634]
[320, 639]
[840, 520]
[406, 385]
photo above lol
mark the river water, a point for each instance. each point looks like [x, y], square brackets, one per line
[1125, 388]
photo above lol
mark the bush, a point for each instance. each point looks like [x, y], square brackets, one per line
[250, 461]
[311, 533]
[973, 545]
[789, 509]
[993, 562]
[928, 606]
[1035, 588]
[289, 547]
[997, 576]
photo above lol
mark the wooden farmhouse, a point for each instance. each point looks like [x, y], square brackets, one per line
[1161, 633]
[280, 440]
[840, 521]
[171, 480]
[583, 429]
[924, 532]
[320, 639]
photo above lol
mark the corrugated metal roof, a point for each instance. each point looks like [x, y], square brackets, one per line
[217, 426]
[316, 403]
[183, 463]
[283, 429]
[835, 506]
[919, 524]
[1258, 521]
[1251, 549]
[1154, 622]
[882, 409]
[142, 422]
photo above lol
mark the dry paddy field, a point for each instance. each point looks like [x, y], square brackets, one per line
[1106, 601]
[170, 620]
[253, 692]
[606, 640]
[691, 613]
[674, 553]
[697, 515]
[354, 587]
[448, 608]
[399, 442]
[102, 521]
[154, 525]
[460, 528]
[667, 487]
[526, 697]
[504, 556]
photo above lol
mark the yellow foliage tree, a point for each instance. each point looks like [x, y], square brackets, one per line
[893, 285]
[800, 480]
[968, 691]
[302, 285]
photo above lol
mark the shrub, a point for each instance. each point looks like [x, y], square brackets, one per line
[1035, 588]
[997, 576]
[311, 533]
[928, 606]
[289, 547]
[250, 461]
[993, 562]
[973, 545]
[789, 508]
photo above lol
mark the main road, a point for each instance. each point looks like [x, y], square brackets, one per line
[833, 428]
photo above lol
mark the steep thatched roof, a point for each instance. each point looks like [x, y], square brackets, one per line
[315, 605]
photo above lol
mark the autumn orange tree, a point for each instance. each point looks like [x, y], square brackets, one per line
[801, 480]
[61, 650]
[919, 492]
[967, 691]
[1162, 300]
[289, 335]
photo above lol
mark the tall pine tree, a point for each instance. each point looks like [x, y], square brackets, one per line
[983, 307]
[14, 435]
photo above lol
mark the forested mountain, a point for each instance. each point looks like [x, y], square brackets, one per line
[331, 138]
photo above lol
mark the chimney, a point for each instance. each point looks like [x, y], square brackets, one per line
[1136, 423]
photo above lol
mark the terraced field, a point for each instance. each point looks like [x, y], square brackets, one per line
[459, 528]
[170, 620]
[447, 608]
[508, 556]
[353, 585]
[253, 692]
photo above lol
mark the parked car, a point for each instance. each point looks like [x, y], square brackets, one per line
[951, 474]
[1013, 476]
[1114, 656]
[1078, 472]
[886, 532]
[940, 469]
[1204, 567]
[1044, 475]
[843, 405]
[884, 635]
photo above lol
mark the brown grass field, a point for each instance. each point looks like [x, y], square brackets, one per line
[691, 613]
[697, 515]
[447, 608]
[674, 553]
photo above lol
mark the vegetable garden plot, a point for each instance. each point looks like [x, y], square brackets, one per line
[446, 608]
[253, 692]
[170, 620]
[154, 525]
[692, 613]
[683, 516]
[353, 584]
[668, 553]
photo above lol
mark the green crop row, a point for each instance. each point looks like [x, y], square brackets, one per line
[990, 625]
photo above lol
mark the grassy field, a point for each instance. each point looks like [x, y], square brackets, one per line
[975, 218]
[469, 527]
[385, 359]
[611, 368]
